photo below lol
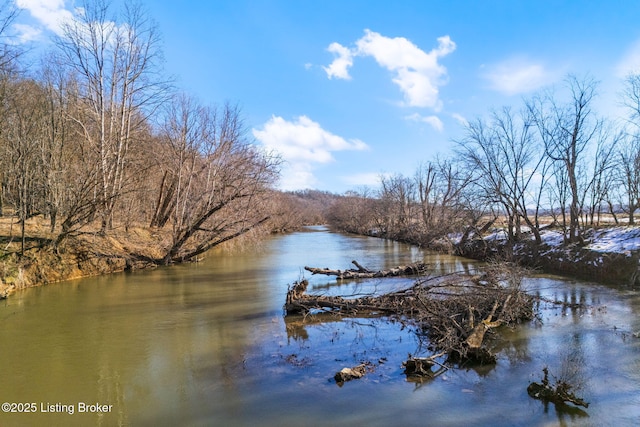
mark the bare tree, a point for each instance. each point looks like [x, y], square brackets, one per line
[628, 174]
[630, 97]
[558, 195]
[81, 198]
[567, 130]
[55, 151]
[185, 132]
[9, 51]
[357, 212]
[48, 173]
[600, 179]
[292, 210]
[503, 158]
[4, 161]
[628, 153]
[8, 55]
[70, 173]
[24, 124]
[214, 182]
[116, 64]
[440, 185]
[398, 200]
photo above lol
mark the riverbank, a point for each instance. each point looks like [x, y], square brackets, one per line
[88, 253]
[36, 260]
[607, 254]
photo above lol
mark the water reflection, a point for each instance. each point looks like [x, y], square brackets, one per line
[207, 344]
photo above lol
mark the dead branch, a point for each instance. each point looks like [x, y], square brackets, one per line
[364, 273]
[474, 340]
[558, 393]
[418, 368]
[444, 308]
[360, 267]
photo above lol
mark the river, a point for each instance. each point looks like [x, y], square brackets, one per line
[207, 345]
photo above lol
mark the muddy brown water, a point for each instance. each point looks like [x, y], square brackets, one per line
[207, 345]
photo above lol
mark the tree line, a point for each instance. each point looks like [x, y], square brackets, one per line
[95, 133]
[555, 159]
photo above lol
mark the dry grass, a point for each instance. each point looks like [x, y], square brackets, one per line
[119, 241]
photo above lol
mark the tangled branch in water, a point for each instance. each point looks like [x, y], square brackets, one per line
[455, 311]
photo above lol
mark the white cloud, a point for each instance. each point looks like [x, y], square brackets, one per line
[297, 177]
[339, 68]
[630, 62]
[303, 139]
[416, 72]
[50, 13]
[26, 33]
[364, 179]
[303, 144]
[460, 119]
[518, 75]
[433, 121]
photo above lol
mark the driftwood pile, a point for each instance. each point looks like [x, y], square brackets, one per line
[454, 311]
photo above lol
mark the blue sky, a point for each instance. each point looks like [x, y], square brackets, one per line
[347, 91]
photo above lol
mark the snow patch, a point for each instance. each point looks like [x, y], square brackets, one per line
[616, 239]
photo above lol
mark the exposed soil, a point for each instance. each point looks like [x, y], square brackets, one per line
[87, 253]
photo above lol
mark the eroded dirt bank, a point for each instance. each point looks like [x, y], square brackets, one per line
[88, 254]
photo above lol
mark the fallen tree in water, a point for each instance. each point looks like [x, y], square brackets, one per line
[455, 311]
[364, 273]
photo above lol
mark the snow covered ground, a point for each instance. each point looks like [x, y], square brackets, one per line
[615, 239]
[622, 239]
[609, 253]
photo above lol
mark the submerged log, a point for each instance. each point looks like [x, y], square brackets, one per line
[560, 393]
[420, 367]
[364, 273]
[346, 306]
[348, 374]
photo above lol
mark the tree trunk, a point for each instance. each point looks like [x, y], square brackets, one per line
[363, 273]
